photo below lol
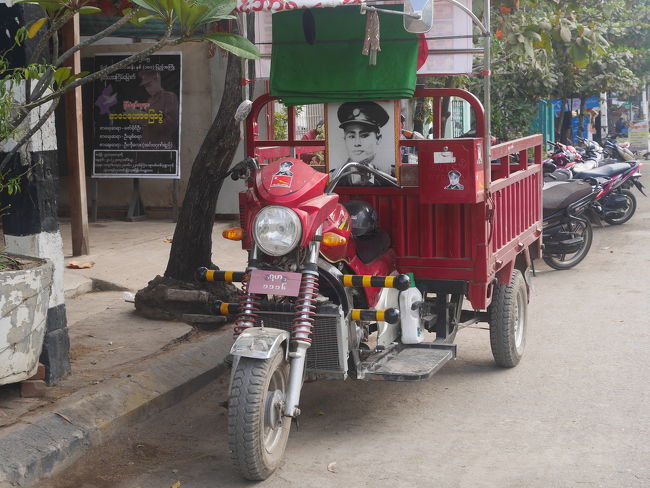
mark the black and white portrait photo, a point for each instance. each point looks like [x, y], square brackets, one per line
[361, 132]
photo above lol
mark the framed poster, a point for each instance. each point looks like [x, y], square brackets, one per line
[362, 132]
[136, 118]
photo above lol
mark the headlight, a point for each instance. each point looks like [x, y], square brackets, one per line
[277, 230]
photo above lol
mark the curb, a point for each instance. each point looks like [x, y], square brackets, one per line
[76, 285]
[44, 444]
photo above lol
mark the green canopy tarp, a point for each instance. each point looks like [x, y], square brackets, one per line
[333, 69]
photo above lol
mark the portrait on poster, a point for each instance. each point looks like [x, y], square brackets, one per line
[365, 133]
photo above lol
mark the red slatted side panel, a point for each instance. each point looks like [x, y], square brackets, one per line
[411, 221]
[517, 208]
[429, 237]
[422, 230]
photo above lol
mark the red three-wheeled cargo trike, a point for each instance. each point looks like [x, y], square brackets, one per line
[365, 265]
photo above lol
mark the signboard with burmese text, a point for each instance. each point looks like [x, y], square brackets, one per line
[136, 118]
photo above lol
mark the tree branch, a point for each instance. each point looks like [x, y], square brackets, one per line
[164, 41]
[100, 35]
[54, 28]
[29, 134]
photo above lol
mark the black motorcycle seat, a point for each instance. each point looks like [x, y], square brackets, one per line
[607, 170]
[558, 175]
[372, 245]
[561, 194]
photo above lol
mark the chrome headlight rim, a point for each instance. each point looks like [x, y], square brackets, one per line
[293, 219]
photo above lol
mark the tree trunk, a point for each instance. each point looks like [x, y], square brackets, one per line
[565, 127]
[192, 244]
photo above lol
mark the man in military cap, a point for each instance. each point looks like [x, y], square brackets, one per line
[361, 123]
[454, 181]
[163, 108]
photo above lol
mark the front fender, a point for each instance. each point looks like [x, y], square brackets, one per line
[259, 343]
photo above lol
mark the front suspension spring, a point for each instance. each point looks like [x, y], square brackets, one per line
[249, 305]
[305, 309]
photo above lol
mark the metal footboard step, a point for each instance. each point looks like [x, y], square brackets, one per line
[408, 362]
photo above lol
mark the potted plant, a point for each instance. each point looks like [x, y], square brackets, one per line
[25, 286]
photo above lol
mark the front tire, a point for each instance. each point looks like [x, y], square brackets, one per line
[629, 210]
[257, 429]
[508, 315]
[565, 261]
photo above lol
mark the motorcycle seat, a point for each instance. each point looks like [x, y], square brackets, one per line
[561, 194]
[372, 245]
[607, 171]
[558, 175]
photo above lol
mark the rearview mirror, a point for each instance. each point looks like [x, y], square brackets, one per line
[424, 10]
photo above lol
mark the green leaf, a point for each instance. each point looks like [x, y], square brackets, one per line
[565, 33]
[62, 74]
[233, 43]
[180, 8]
[36, 26]
[533, 36]
[141, 16]
[528, 47]
[579, 56]
[21, 35]
[75, 77]
[89, 10]
[150, 5]
[217, 10]
[194, 15]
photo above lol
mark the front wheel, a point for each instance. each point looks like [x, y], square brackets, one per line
[508, 321]
[628, 211]
[257, 429]
[574, 229]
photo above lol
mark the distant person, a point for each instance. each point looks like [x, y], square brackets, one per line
[361, 123]
[621, 127]
[314, 134]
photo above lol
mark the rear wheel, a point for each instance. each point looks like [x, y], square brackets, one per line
[628, 211]
[257, 429]
[508, 321]
[575, 228]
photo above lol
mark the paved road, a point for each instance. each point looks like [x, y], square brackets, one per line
[574, 413]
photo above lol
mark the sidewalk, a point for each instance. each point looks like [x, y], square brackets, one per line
[124, 367]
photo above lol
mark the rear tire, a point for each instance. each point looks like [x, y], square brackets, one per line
[629, 211]
[508, 315]
[257, 429]
[566, 261]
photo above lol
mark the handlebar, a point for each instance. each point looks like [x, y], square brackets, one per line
[242, 169]
[352, 167]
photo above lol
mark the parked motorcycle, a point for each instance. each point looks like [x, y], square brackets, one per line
[567, 233]
[615, 203]
[617, 150]
[591, 156]
[563, 157]
[309, 253]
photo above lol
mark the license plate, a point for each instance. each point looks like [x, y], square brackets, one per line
[274, 283]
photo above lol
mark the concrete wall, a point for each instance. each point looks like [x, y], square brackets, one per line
[202, 88]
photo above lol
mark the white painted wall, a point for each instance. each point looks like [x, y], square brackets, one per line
[43, 245]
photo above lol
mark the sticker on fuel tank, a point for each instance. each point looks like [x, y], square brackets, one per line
[284, 177]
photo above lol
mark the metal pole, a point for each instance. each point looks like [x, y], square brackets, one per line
[487, 150]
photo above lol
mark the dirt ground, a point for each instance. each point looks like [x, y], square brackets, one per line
[574, 413]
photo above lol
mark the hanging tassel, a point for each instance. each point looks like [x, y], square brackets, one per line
[371, 41]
